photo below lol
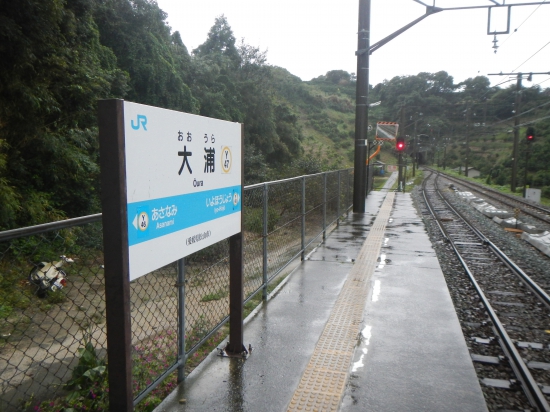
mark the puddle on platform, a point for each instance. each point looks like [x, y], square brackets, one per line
[365, 340]
[376, 291]
[382, 260]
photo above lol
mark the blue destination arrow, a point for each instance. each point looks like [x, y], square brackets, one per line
[154, 218]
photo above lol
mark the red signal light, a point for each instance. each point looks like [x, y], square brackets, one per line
[400, 144]
[530, 135]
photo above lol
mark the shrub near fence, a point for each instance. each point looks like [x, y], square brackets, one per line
[54, 348]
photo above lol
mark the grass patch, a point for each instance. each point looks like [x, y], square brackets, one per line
[418, 178]
[379, 182]
[501, 188]
[220, 294]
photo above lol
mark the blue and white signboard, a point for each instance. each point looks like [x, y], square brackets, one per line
[183, 180]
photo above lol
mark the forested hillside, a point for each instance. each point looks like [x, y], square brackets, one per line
[59, 57]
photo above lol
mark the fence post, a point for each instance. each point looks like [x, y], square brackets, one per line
[325, 206]
[264, 234]
[348, 191]
[181, 320]
[339, 196]
[303, 216]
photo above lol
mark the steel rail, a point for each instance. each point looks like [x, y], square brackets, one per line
[539, 292]
[429, 205]
[496, 195]
[530, 386]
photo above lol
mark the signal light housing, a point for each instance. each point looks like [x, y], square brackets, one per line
[400, 144]
[530, 134]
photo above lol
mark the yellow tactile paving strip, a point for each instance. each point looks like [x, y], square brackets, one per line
[324, 380]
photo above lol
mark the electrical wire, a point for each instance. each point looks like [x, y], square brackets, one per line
[531, 57]
[521, 114]
[528, 17]
[534, 121]
[542, 82]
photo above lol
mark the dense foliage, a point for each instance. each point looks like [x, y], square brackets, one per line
[470, 123]
[59, 57]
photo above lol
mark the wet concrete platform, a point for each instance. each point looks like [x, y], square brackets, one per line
[411, 357]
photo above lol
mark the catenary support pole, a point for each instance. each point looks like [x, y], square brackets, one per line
[339, 199]
[467, 158]
[324, 206]
[361, 107]
[401, 134]
[515, 152]
[303, 224]
[415, 158]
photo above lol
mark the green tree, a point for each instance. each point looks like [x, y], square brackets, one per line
[220, 45]
[52, 71]
[156, 60]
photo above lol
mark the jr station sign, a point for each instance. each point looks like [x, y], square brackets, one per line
[183, 184]
[171, 185]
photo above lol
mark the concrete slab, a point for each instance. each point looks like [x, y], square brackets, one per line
[283, 334]
[412, 356]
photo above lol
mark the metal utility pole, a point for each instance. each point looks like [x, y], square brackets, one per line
[516, 135]
[361, 114]
[468, 119]
[361, 108]
[401, 134]
[415, 155]
[517, 104]
[527, 150]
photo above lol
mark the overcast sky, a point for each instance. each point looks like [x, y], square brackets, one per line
[309, 38]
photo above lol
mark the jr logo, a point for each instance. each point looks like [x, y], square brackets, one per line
[141, 121]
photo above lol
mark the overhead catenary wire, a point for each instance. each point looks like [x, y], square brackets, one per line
[522, 23]
[531, 56]
[521, 114]
[542, 82]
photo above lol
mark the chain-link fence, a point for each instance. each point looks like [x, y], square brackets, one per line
[53, 340]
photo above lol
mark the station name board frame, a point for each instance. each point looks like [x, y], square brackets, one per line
[171, 184]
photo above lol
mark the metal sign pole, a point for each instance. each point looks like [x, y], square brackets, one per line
[115, 244]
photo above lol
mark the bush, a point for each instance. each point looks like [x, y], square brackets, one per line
[254, 220]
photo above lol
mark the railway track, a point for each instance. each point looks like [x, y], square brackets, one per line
[540, 214]
[506, 307]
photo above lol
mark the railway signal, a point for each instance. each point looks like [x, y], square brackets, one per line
[530, 134]
[400, 144]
